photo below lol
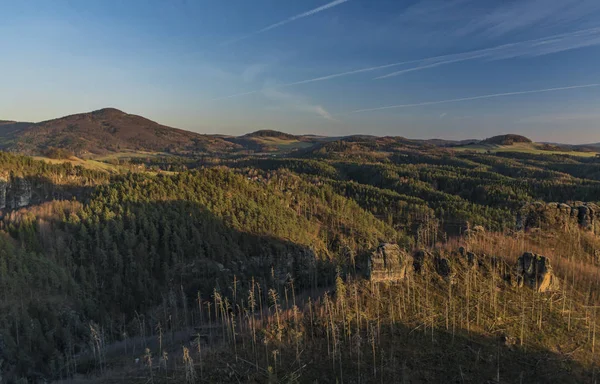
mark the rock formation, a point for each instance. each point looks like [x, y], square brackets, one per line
[15, 192]
[419, 258]
[536, 272]
[472, 259]
[539, 214]
[389, 263]
[442, 265]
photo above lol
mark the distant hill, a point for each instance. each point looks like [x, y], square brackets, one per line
[448, 143]
[594, 147]
[110, 131]
[506, 140]
[273, 134]
[8, 125]
[9, 132]
[364, 147]
[268, 141]
[102, 131]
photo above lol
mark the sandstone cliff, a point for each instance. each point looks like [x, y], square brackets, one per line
[540, 215]
[15, 192]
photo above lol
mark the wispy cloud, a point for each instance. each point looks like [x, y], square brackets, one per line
[493, 19]
[527, 48]
[288, 20]
[508, 17]
[495, 95]
[297, 103]
[324, 113]
[317, 79]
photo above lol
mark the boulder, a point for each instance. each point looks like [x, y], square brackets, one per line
[419, 260]
[390, 263]
[472, 259]
[442, 266]
[587, 214]
[536, 272]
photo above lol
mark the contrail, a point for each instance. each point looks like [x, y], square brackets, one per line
[543, 46]
[535, 47]
[424, 66]
[477, 97]
[322, 78]
[289, 20]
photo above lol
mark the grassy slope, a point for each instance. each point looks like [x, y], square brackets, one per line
[85, 163]
[520, 147]
[282, 144]
[128, 155]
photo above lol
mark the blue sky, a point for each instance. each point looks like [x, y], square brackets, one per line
[420, 69]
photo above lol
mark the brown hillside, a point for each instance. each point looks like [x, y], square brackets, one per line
[109, 130]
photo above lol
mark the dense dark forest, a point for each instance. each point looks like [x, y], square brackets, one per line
[166, 244]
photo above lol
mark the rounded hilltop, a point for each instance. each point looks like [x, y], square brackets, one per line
[508, 139]
[272, 134]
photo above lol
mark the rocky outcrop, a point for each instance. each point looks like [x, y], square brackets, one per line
[535, 271]
[442, 265]
[587, 215]
[419, 258]
[22, 191]
[15, 192]
[472, 260]
[539, 214]
[389, 263]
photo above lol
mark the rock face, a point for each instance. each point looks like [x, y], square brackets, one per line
[15, 192]
[536, 272]
[442, 266]
[535, 215]
[471, 257]
[389, 263]
[419, 258]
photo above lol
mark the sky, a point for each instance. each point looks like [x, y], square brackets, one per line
[452, 69]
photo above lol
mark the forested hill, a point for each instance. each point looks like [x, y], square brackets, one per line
[507, 140]
[130, 259]
[102, 131]
[110, 132]
[273, 134]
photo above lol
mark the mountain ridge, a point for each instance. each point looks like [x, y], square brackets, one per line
[110, 130]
